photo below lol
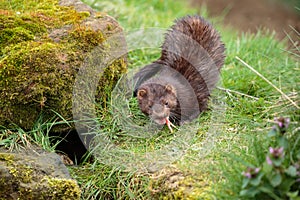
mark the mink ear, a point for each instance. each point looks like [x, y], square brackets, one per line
[141, 93]
[170, 89]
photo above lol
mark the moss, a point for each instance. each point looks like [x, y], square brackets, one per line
[19, 171]
[85, 37]
[62, 188]
[109, 78]
[37, 72]
[6, 157]
[16, 173]
[174, 184]
[32, 81]
[22, 173]
[193, 187]
[31, 19]
[15, 35]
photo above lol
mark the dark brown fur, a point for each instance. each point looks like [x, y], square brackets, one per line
[179, 83]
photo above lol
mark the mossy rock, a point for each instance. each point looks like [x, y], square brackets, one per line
[43, 44]
[172, 183]
[35, 174]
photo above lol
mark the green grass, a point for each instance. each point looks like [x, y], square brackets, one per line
[236, 128]
[16, 138]
[251, 103]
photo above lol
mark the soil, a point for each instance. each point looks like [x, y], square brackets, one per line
[250, 15]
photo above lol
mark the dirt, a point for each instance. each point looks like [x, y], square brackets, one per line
[250, 15]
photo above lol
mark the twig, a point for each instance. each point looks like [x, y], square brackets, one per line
[294, 30]
[269, 82]
[294, 43]
[237, 92]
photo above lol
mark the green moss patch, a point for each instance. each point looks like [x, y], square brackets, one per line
[29, 20]
[171, 183]
[62, 188]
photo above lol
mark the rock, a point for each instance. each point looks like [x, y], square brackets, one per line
[173, 183]
[35, 174]
[42, 47]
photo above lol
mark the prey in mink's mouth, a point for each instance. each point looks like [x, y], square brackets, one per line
[159, 102]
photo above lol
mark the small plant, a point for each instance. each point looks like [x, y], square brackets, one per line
[278, 177]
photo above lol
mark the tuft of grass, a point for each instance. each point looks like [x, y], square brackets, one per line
[100, 181]
[17, 139]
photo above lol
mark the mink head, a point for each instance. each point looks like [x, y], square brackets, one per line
[158, 101]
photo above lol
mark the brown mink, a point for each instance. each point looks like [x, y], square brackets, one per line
[177, 86]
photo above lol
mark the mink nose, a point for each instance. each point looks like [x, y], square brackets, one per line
[158, 111]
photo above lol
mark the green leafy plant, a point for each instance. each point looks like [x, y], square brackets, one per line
[278, 177]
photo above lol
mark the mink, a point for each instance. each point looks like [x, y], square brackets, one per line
[178, 85]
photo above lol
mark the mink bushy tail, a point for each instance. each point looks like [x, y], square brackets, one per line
[193, 48]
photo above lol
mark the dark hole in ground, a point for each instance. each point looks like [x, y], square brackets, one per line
[70, 144]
